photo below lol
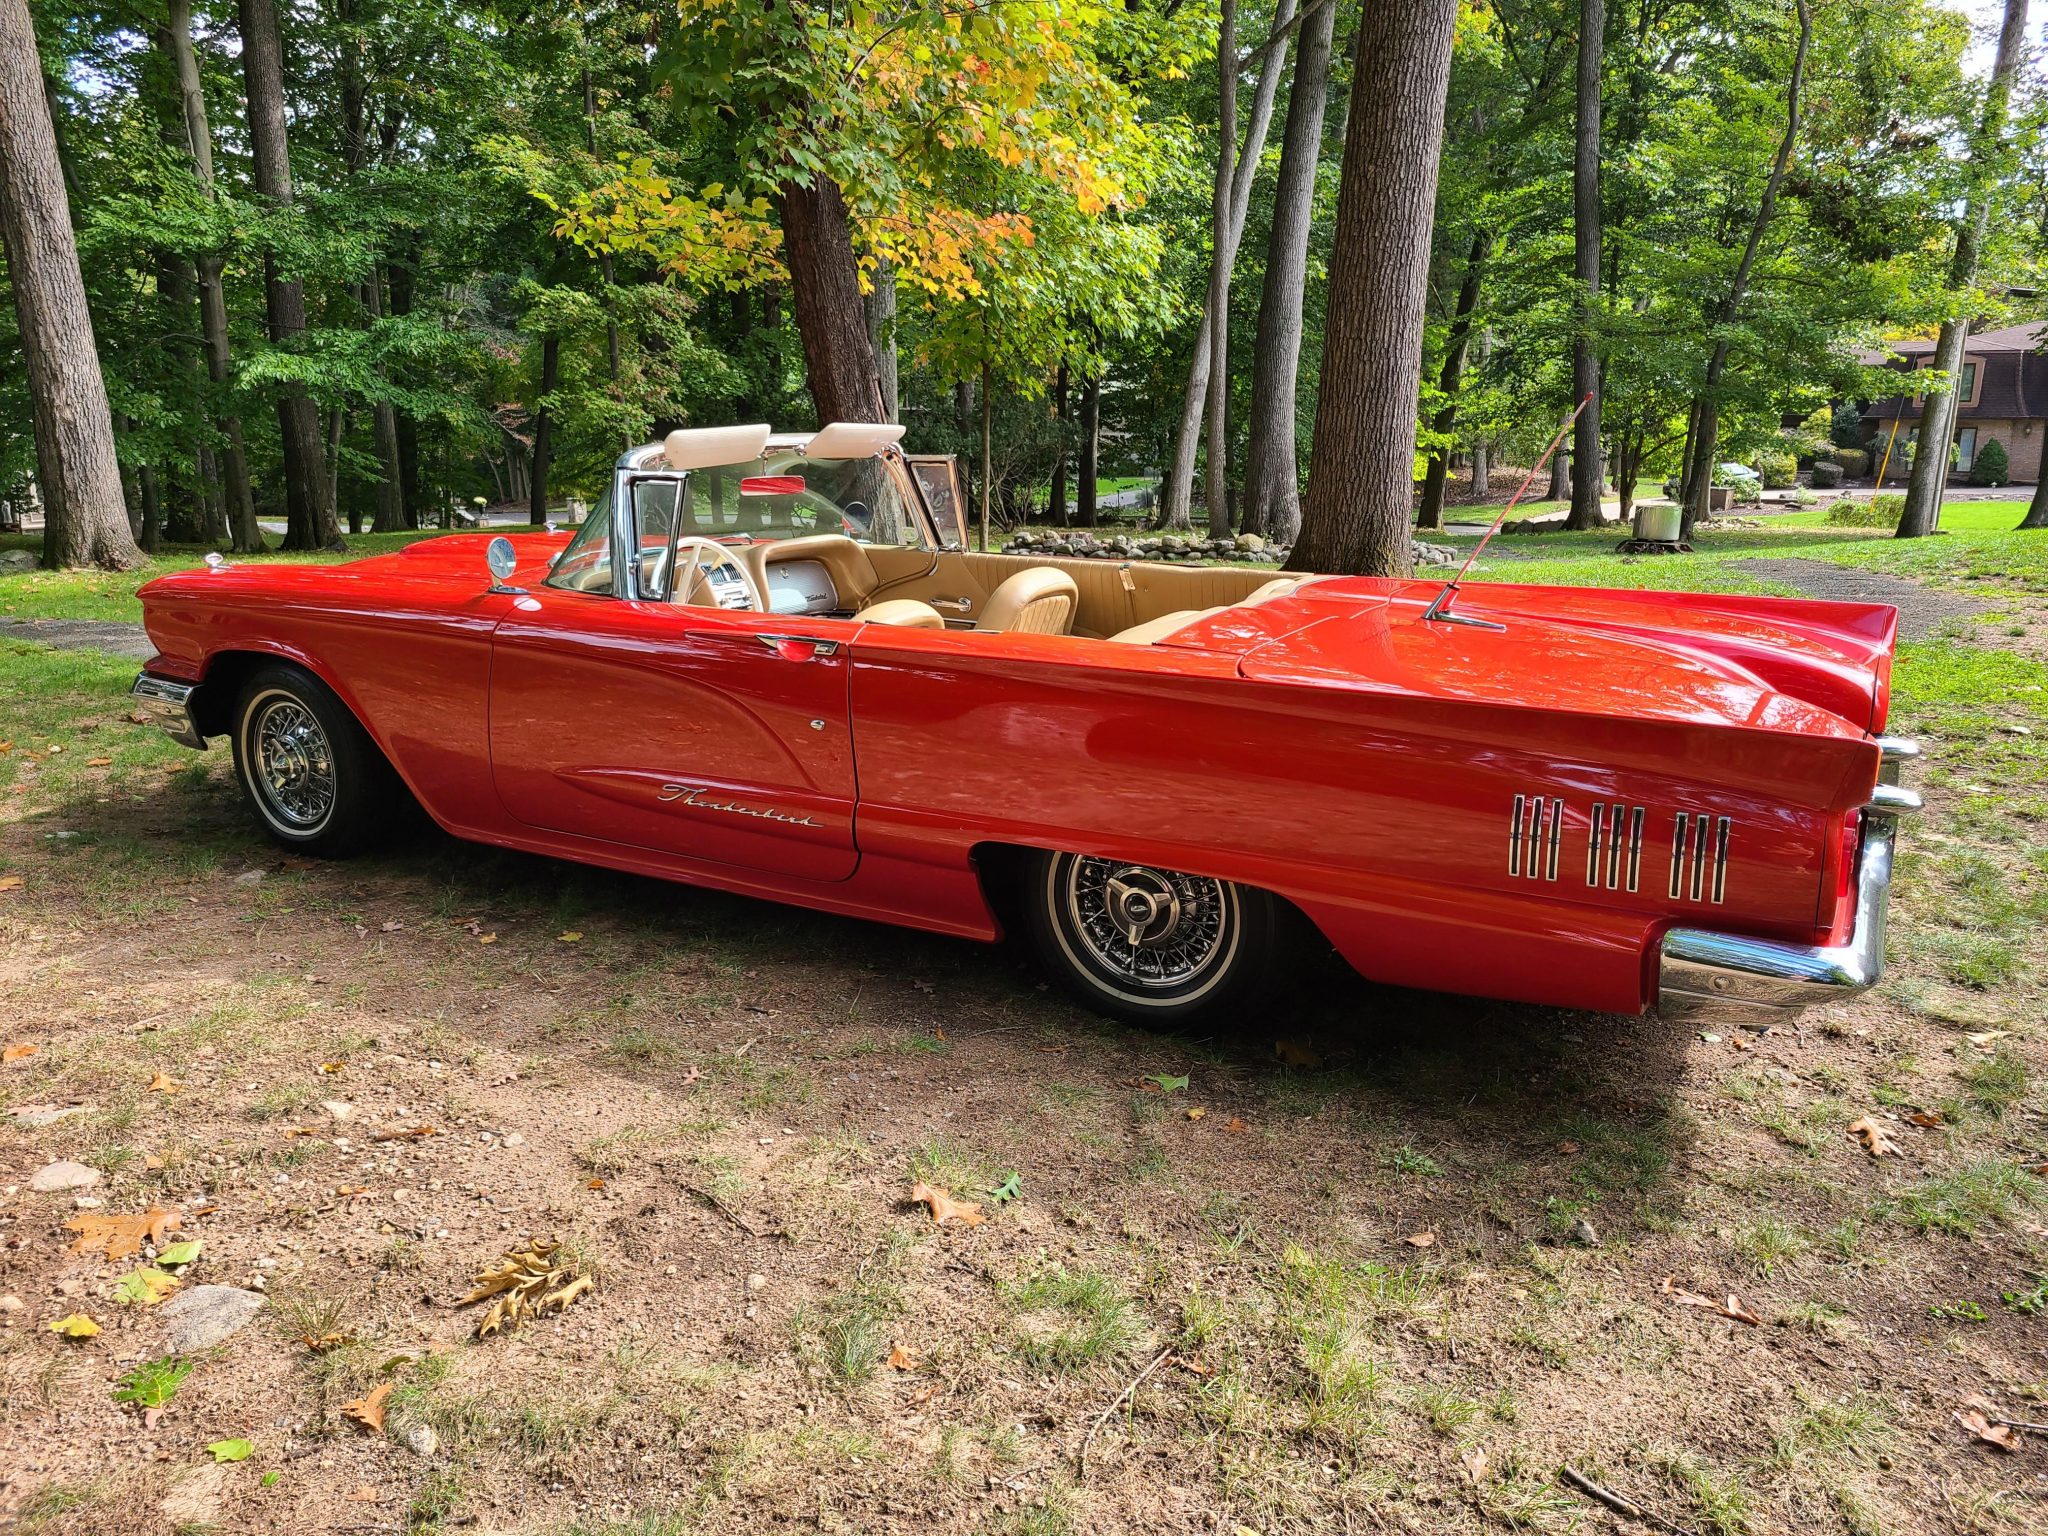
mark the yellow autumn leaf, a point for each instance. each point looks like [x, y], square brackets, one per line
[76, 1326]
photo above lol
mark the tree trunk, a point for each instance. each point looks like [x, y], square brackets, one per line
[309, 510]
[824, 284]
[987, 455]
[880, 304]
[85, 515]
[1938, 413]
[1056, 499]
[400, 275]
[1272, 471]
[390, 517]
[1229, 204]
[2037, 509]
[149, 516]
[1585, 511]
[1451, 377]
[1090, 451]
[1708, 406]
[183, 503]
[1361, 467]
[243, 533]
[1560, 476]
[337, 430]
[544, 427]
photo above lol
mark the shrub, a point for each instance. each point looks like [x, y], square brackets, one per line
[1878, 512]
[1990, 467]
[1854, 461]
[1776, 469]
[1847, 427]
[1826, 474]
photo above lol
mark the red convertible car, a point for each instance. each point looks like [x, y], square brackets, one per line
[763, 665]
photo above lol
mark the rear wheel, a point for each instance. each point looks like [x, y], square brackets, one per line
[316, 779]
[1153, 945]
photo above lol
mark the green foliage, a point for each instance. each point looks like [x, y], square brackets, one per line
[1845, 428]
[1826, 474]
[1855, 462]
[1878, 512]
[1990, 466]
[1777, 470]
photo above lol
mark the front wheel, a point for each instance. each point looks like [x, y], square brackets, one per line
[1153, 946]
[308, 767]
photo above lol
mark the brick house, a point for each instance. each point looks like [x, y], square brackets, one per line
[2004, 391]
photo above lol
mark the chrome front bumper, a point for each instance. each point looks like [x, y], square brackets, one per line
[169, 704]
[1726, 978]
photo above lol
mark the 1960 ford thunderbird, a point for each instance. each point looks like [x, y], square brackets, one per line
[761, 665]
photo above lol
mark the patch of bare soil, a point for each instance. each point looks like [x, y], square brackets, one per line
[1380, 1261]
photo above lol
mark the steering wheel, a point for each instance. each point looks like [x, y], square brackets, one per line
[694, 590]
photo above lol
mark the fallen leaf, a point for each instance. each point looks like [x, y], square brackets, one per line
[325, 1342]
[406, 1133]
[99, 762]
[902, 1358]
[230, 1450]
[593, 1183]
[1732, 1308]
[1235, 1125]
[1977, 1415]
[364, 1494]
[571, 937]
[528, 1282]
[115, 1236]
[1568, 1148]
[1420, 1240]
[19, 1052]
[1876, 1141]
[151, 1161]
[163, 1082]
[1165, 1082]
[1926, 1117]
[10, 882]
[329, 1068]
[368, 1410]
[487, 938]
[76, 1326]
[301, 1130]
[394, 926]
[1197, 1112]
[1473, 1460]
[1984, 1037]
[144, 1287]
[1297, 1053]
[945, 1208]
[177, 1255]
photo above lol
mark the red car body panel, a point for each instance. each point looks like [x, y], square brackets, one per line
[1516, 813]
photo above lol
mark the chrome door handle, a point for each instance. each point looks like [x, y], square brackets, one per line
[799, 647]
[957, 604]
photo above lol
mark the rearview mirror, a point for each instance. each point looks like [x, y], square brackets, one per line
[772, 485]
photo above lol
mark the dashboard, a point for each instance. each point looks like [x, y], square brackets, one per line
[793, 586]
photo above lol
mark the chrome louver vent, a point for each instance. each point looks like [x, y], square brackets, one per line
[1614, 846]
[1535, 830]
[1699, 857]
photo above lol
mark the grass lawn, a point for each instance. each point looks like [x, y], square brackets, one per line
[1361, 1267]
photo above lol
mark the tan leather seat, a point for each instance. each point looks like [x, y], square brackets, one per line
[1159, 628]
[1038, 601]
[903, 612]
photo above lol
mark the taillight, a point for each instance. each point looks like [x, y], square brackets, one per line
[1839, 909]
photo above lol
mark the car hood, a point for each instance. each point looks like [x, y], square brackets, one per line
[1689, 658]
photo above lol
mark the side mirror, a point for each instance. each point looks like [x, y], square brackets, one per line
[503, 560]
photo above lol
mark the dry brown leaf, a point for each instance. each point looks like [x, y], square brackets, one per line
[99, 762]
[364, 1494]
[1928, 1118]
[902, 1358]
[945, 1208]
[1732, 1308]
[19, 1052]
[1980, 1416]
[593, 1183]
[163, 1082]
[1568, 1148]
[1473, 1460]
[368, 1410]
[325, 1342]
[151, 1161]
[1297, 1053]
[114, 1236]
[527, 1282]
[406, 1133]
[1876, 1140]
[10, 882]
[1420, 1240]
[1235, 1125]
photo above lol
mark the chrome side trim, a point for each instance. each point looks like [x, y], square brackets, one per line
[1896, 752]
[1890, 800]
[1556, 837]
[1727, 978]
[1593, 843]
[169, 705]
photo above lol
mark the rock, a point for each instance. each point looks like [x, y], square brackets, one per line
[17, 560]
[420, 1439]
[10, 1303]
[337, 1108]
[757, 1282]
[1584, 1235]
[1250, 543]
[33, 1117]
[249, 877]
[205, 1315]
[57, 1177]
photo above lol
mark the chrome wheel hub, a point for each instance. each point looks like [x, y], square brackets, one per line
[1151, 928]
[294, 769]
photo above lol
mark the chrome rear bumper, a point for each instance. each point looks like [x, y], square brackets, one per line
[169, 704]
[1726, 978]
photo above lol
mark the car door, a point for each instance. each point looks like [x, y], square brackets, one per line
[696, 732]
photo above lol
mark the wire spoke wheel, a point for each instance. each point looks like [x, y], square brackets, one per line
[294, 763]
[1146, 932]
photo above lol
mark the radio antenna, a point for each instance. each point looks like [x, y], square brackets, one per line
[1439, 610]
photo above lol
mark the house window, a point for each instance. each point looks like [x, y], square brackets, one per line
[1966, 445]
[1967, 391]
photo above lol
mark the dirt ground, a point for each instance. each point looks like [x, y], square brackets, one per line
[1377, 1262]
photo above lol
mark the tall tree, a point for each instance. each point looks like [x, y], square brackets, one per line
[244, 535]
[1362, 467]
[831, 315]
[1938, 413]
[86, 519]
[1586, 476]
[1272, 472]
[1451, 377]
[309, 508]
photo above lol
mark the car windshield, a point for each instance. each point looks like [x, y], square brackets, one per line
[781, 495]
